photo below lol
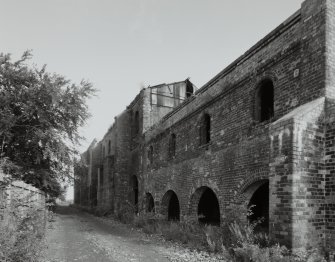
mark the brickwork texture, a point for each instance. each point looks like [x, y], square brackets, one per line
[261, 132]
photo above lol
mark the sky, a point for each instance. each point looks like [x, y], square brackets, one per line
[122, 46]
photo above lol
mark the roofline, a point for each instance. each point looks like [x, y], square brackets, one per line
[288, 23]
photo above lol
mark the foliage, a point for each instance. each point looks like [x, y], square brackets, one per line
[40, 114]
[21, 236]
[236, 239]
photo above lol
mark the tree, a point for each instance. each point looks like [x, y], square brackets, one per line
[40, 114]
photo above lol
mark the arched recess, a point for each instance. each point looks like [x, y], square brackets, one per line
[134, 185]
[205, 204]
[170, 206]
[258, 197]
[149, 203]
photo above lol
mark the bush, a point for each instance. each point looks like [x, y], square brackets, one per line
[22, 242]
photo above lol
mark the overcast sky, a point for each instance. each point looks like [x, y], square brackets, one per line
[123, 45]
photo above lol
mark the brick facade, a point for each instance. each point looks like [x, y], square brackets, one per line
[269, 140]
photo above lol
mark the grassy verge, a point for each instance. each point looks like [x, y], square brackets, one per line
[235, 240]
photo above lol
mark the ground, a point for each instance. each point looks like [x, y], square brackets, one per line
[78, 236]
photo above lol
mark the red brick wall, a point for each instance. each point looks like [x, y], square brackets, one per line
[288, 150]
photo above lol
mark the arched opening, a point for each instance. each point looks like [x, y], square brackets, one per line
[170, 206]
[264, 101]
[208, 207]
[134, 183]
[259, 205]
[150, 203]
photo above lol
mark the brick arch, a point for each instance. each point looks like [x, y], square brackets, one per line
[243, 192]
[196, 198]
[170, 207]
[251, 188]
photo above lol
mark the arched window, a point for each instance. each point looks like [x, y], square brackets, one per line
[205, 129]
[136, 123]
[264, 108]
[172, 146]
[151, 154]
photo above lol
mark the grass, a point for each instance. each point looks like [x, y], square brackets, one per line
[236, 240]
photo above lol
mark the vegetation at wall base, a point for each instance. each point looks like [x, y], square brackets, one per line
[235, 240]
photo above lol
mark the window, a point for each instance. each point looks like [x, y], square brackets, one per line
[136, 123]
[103, 152]
[101, 176]
[172, 146]
[111, 161]
[151, 154]
[264, 109]
[88, 158]
[205, 129]
[109, 147]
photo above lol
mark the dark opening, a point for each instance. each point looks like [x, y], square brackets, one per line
[135, 192]
[208, 208]
[259, 204]
[88, 158]
[151, 154]
[150, 204]
[101, 176]
[173, 208]
[205, 130]
[109, 147]
[172, 146]
[136, 123]
[189, 88]
[265, 101]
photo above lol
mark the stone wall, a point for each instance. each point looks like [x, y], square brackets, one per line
[19, 199]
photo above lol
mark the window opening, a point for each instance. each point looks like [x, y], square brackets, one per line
[265, 101]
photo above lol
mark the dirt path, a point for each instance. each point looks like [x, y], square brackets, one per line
[78, 236]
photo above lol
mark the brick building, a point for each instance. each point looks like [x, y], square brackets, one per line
[261, 132]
